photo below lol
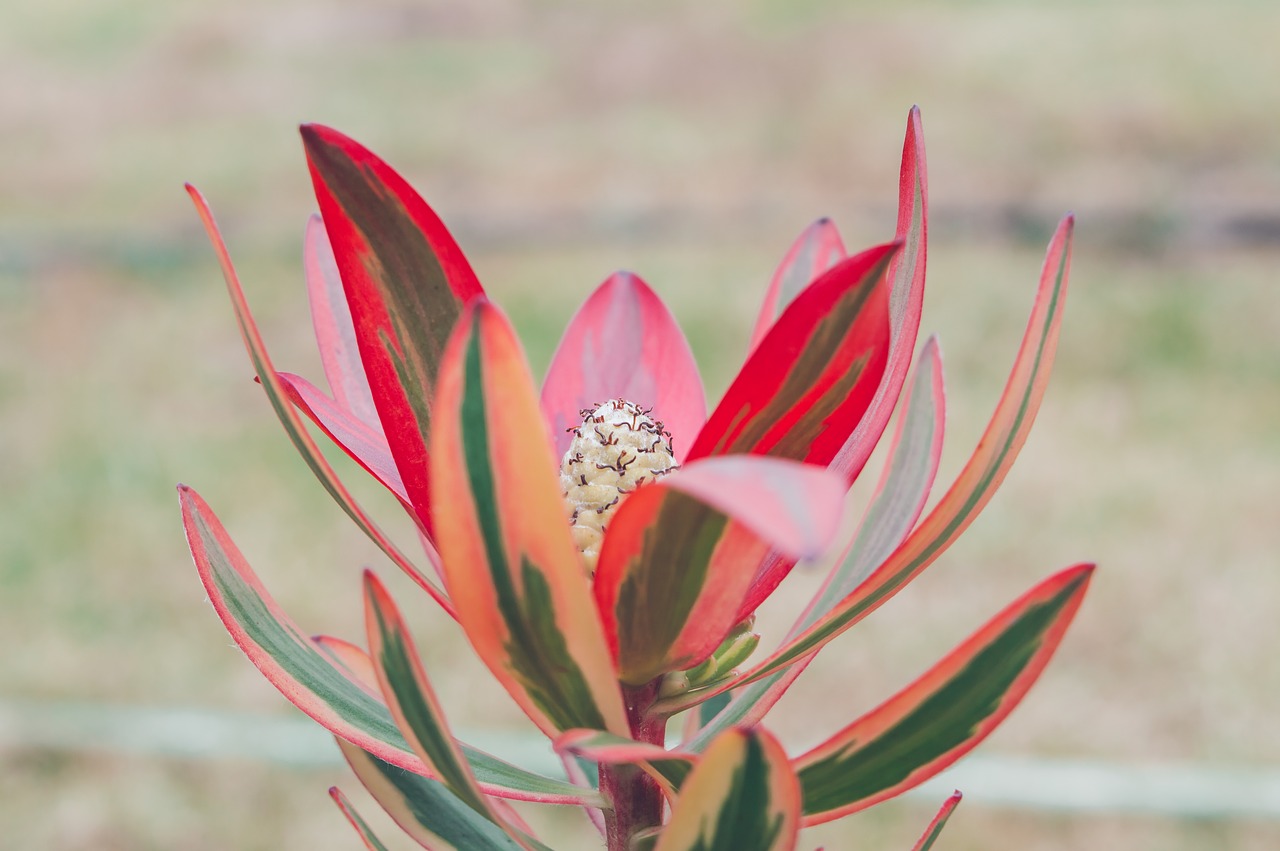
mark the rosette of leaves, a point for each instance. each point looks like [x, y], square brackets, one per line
[604, 627]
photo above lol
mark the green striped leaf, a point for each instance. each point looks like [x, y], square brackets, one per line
[814, 252]
[945, 713]
[413, 703]
[510, 564]
[312, 678]
[741, 796]
[278, 395]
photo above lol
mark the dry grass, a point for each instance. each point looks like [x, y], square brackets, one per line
[688, 146]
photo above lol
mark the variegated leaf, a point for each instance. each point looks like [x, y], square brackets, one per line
[741, 796]
[670, 580]
[945, 713]
[309, 676]
[509, 561]
[406, 282]
[668, 768]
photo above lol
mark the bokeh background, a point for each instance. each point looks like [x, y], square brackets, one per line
[688, 142]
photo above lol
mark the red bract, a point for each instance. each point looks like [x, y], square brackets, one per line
[430, 393]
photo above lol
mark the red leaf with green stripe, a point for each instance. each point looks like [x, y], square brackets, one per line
[670, 580]
[976, 483]
[945, 713]
[371, 842]
[319, 681]
[406, 282]
[741, 796]
[412, 701]
[934, 829]
[624, 343]
[814, 252]
[509, 562]
[804, 388]
[278, 395]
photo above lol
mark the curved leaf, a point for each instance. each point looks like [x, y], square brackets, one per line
[906, 298]
[326, 690]
[945, 713]
[814, 252]
[670, 579]
[624, 343]
[509, 561]
[405, 280]
[293, 426]
[741, 796]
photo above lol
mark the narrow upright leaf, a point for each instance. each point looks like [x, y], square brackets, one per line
[945, 713]
[278, 395]
[814, 252]
[624, 343]
[741, 796]
[510, 564]
[906, 299]
[406, 281]
[335, 332]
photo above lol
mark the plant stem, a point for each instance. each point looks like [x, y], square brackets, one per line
[635, 797]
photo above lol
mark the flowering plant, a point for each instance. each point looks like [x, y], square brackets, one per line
[620, 592]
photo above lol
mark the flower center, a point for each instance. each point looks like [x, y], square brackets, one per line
[617, 449]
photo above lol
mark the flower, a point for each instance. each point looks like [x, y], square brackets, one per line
[604, 544]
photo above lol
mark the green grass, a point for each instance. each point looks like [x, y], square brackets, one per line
[690, 147]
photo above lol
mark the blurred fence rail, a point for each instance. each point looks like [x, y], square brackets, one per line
[1173, 790]
[1121, 230]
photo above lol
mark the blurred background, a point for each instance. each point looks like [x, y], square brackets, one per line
[689, 143]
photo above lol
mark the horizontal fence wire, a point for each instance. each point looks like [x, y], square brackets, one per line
[1171, 790]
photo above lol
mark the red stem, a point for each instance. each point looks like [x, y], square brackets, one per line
[635, 797]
